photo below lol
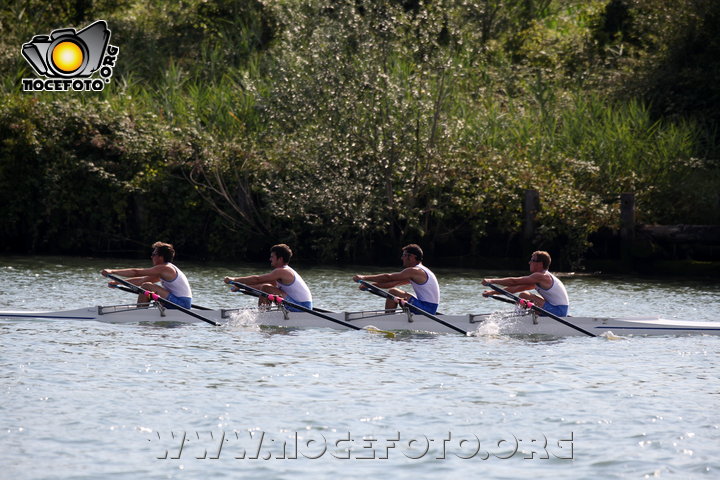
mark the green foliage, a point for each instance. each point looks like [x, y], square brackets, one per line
[364, 137]
[348, 128]
[667, 53]
[78, 177]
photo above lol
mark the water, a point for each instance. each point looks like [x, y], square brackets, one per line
[87, 400]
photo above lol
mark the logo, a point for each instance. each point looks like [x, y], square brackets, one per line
[69, 59]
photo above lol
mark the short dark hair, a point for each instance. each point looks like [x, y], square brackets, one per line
[543, 257]
[415, 250]
[165, 250]
[282, 251]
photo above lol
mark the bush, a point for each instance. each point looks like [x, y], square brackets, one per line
[351, 128]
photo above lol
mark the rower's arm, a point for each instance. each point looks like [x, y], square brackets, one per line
[251, 280]
[520, 288]
[379, 278]
[389, 280]
[140, 280]
[137, 275]
[387, 285]
[529, 280]
[513, 289]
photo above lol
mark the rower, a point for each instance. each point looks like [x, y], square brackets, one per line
[282, 280]
[551, 293]
[423, 281]
[174, 285]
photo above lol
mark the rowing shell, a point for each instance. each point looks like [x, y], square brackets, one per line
[498, 323]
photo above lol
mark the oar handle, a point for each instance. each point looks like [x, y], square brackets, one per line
[130, 287]
[248, 290]
[538, 309]
[381, 293]
[121, 287]
[501, 299]
[376, 290]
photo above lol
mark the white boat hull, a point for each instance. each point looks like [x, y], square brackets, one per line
[501, 324]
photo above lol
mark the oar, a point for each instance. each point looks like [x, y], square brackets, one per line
[501, 299]
[321, 310]
[158, 298]
[378, 291]
[275, 298]
[541, 310]
[126, 289]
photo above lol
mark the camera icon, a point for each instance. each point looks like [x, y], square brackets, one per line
[67, 53]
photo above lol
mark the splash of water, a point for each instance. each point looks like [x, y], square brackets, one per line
[499, 323]
[246, 319]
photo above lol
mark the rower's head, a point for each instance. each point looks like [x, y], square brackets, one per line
[411, 254]
[539, 261]
[280, 255]
[164, 251]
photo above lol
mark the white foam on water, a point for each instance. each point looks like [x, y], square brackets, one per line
[498, 323]
[245, 319]
[609, 335]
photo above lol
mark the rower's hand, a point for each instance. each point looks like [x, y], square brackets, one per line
[358, 278]
[104, 272]
[486, 281]
[233, 288]
[489, 293]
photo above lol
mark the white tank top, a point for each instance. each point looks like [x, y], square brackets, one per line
[298, 289]
[428, 291]
[556, 294]
[179, 286]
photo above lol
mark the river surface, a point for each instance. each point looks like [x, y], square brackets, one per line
[88, 400]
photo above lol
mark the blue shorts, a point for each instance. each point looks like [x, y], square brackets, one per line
[557, 310]
[429, 307]
[185, 302]
[302, 304]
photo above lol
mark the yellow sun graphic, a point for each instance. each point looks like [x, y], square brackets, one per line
[67, 56]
